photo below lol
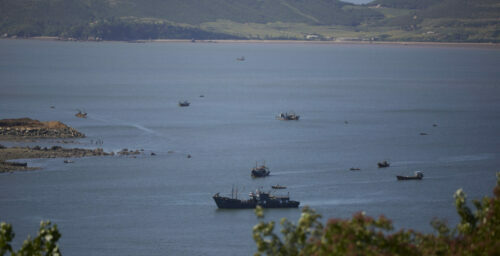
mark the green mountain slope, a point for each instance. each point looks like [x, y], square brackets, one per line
[414, 20]
[70, 17]
[443, 20]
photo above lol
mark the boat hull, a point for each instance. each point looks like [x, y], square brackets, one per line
[278, 187]
[383, 165]
[288, 118]
[230, 203]
[260, 173]
[408, 178]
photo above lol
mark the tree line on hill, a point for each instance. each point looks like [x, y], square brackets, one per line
[412, 20]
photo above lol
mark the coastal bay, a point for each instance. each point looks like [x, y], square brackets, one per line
[359, 104]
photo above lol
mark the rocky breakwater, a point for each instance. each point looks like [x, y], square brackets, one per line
[7, 153]
[29, 128]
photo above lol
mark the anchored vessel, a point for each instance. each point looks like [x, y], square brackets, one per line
[418, 176]
[383, 164]
[81, 114]
[263, 199]
[260, 171]
[288, 116]
[184, 103]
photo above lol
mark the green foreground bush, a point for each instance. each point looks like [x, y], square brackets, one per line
[45, 243]
[477, 233]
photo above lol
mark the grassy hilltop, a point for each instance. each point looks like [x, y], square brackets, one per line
[385, 20]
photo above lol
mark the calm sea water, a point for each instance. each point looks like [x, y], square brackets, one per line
[162, 205]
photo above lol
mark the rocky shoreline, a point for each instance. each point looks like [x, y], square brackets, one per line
[39, 152]
[26, 129]
[23, 128]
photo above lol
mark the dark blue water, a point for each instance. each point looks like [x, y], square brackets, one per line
[162, 205]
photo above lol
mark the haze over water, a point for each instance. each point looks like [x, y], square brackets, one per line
[162, 205]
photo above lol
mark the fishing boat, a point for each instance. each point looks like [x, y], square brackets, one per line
[184, 103]
[288, 116]
[260, 171]
[242, 58]
[260, 198]
[81, 114]
[418, 176]
[383, 164]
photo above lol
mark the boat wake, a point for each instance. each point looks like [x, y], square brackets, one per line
[122, 123]
[145, 129]
[353, 201]
[299, 172]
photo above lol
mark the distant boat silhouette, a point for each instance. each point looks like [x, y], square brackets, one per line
[184, 103]
[383, 164]
[418, 176]
[81, 114]
[278, 186]
[288, 116]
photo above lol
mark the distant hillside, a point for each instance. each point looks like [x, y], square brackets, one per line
[84, 19]
[257, 11]
[414, 20]
[443, 20]
[476, 9]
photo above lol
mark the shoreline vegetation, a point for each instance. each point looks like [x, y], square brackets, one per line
[444, 21]
[441, 21]
[280, 41]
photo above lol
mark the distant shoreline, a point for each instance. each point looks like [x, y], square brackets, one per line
[253, 41]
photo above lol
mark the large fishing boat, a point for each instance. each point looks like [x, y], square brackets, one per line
[260, 171]
[263, 199]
